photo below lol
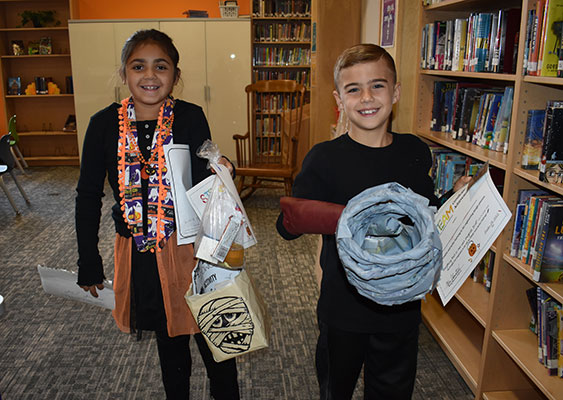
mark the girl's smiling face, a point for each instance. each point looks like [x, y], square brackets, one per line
[150, 76]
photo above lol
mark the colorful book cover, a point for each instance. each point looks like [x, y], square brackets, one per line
[550, 57]
[494, 107]
[502, 125]
[549, 260]
[552, 347]
[552, 148]
[531, 153]
[535, 41]
[517, 231]
[560, 336]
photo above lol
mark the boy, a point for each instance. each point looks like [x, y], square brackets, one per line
[354, 331]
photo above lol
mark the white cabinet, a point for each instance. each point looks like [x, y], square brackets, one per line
[214, 64]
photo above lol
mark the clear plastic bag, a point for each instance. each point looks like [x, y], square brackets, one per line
[224, 224]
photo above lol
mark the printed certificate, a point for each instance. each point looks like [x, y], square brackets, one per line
[468, 224]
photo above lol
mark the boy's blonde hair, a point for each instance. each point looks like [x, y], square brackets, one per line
[363, 53]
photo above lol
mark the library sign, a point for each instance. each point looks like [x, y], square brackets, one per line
[468, 224]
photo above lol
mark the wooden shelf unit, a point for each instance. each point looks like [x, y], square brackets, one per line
[40, 118]
[486, 335]
[275, 34]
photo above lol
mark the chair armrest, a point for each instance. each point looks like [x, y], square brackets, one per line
[241, 137]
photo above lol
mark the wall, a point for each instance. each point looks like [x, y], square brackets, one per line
[111, 9]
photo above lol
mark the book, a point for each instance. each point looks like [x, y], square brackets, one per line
[551, 336]
[509, 55]
[468, 112]
[531, 153]
[531, 294]
[460, 36]
[552, 147]
[517, 230]
[493, 110]
[482, 41]
[549, 56]
[560, 337]
[14, 86]
[535, 38]
[529, 27]
[548, 265]
[502, 124]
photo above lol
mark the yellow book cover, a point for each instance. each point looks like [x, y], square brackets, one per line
[550, 39]
[462, 44]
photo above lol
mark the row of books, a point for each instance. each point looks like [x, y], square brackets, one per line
[281, 8]
[282, 32]
[543, 142]
[547, 324]
[268, 126]
[473, 112]
[448, 166]
[537, 238]
[273, 56]
[543, 51]
[301, 76]
[271, 103]
[484, 42]
[483, 272]
[268, 146]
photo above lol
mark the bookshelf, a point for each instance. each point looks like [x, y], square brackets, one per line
[486, 335]
[281, 40]
[40, 118]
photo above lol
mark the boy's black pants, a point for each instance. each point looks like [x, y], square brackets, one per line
[176, 366]
[389, 361]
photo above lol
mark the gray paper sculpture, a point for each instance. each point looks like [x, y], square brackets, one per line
[388, 261]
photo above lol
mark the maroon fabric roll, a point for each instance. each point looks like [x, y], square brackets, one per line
[309, 216]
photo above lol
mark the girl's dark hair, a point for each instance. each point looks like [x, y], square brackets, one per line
[149, 36]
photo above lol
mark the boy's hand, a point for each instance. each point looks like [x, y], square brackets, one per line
[461, 182]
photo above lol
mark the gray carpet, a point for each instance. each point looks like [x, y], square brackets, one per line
[52, 348]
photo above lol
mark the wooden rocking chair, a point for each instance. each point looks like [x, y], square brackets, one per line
[267, 153]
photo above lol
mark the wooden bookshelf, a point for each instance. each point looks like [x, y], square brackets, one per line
[487, 335]
[40, 118]
[281, 41]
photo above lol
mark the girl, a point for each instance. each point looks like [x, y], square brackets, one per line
[152, 273]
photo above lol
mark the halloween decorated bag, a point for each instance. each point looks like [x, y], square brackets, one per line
[232, 317]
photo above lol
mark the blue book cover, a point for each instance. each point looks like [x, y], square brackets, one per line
[533, 140]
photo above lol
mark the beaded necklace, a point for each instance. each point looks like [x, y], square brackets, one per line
[132, 167]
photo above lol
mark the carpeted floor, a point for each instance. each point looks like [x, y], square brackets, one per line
[52, 348]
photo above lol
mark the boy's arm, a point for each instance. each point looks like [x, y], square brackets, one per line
[309, 184]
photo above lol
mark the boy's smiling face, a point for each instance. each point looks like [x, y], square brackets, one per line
[366, 93]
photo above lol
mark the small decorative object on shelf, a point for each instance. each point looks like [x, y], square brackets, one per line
[41, 85]
[30, 89]
[69, 85]
[14, 85]
[45, 45]
[70, 124]
[17, 47]
[39, 18]
[33, 48]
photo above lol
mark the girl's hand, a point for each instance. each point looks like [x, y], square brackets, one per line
[224, 161]
[92, 289]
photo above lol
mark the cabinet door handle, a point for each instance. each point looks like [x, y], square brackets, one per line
[207, 93]
[117, 94]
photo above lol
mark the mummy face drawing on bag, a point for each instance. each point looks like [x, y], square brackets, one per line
[227, 323]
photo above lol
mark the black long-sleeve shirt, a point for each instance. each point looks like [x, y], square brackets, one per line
[99, 159]
[335, 171]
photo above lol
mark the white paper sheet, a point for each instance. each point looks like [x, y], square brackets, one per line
[179, 164]
[468, 223]
[62, 283]
[198, 196]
